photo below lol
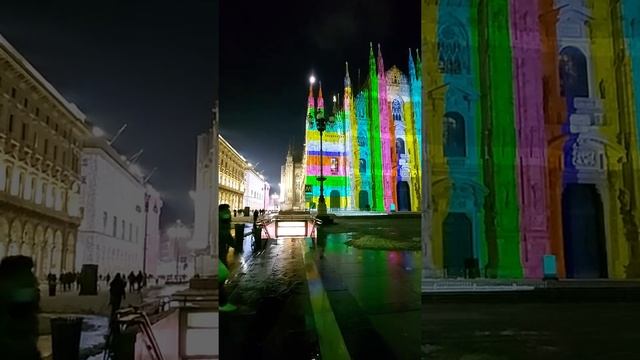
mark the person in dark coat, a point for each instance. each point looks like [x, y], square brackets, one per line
[139, 280]
[132, 281]
[52, 281]
[255, 217]
[117, 292]
[19, 307]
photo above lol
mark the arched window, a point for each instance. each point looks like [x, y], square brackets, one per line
[400, 147]
[396, 110]
[455, 138]
[363, 166]
[574, 78]
[453, 50]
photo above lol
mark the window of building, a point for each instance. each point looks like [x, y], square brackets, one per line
[47, 120]
[105, 218]
[35, 140]
[453, 50]
[55, 127]
[25, 103]
[122, 230]
[13, 92]
[55, 152]
[37, 111]
[10, 123]
[115, 226]
[130, 232]
[46, 146]
[24, 132]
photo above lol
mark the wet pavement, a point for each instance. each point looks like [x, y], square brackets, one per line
[319, 298]
[550, 331]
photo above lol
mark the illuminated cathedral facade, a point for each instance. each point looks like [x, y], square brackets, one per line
[371, 148]
[533, 144]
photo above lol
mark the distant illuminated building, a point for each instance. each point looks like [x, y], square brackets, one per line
[292, 177]
[371, 151]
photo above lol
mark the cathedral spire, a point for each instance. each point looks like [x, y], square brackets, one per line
[347, 79]
[380, 61]
[320, 110]
[412, 67]
[311, 105]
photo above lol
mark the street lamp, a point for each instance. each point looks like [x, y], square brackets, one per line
[321, 125]
[178, 232]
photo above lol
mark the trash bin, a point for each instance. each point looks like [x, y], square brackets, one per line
[65, 337]
[239, 238]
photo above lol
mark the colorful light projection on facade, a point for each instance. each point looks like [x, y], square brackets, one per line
[372, 150]
[539, 160]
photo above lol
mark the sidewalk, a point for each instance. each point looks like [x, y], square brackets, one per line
[274, 313]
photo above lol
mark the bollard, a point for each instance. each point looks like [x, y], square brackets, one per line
[65, 338]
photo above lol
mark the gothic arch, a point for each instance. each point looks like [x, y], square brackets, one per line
[453, 48]
[15, 238]
[574, 73]
[27, 240]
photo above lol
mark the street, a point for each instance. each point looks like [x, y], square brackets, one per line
[331, 300]
[549, 331]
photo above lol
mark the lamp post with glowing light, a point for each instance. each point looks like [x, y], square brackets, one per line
[177, 233]
[321, 125]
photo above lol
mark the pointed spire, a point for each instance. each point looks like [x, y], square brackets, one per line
[380, 60]
[347, 79]
[311, 105]
[412, 67]
[320, 111]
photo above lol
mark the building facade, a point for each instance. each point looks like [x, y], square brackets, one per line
[292, 181]
[256, 192]
[114, 198]
[41, 137]
[371, 151]
[231, 175]
[541, 161]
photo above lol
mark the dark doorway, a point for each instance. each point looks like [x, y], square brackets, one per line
[334, 199]
[363, 200]
[458, 243]
[585, 251]
[404, 196]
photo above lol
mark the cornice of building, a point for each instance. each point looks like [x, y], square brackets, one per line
[22, 62]
[233, 150]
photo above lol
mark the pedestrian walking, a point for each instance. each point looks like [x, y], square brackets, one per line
[139, 280]
[255, 217]
[132, 281]
[108, 278]
[117, 292]
[77, 281]
[52, 281]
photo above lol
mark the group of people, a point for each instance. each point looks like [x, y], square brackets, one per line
[66, 279]
[136, 281]
[240, 212]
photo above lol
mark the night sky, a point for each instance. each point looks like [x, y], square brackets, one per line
[269, 49]
[152, 64]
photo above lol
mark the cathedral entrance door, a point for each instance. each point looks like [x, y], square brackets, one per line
[585, 251]
[458, 243]
[363, 200]
[334, 199]
[404, 196]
